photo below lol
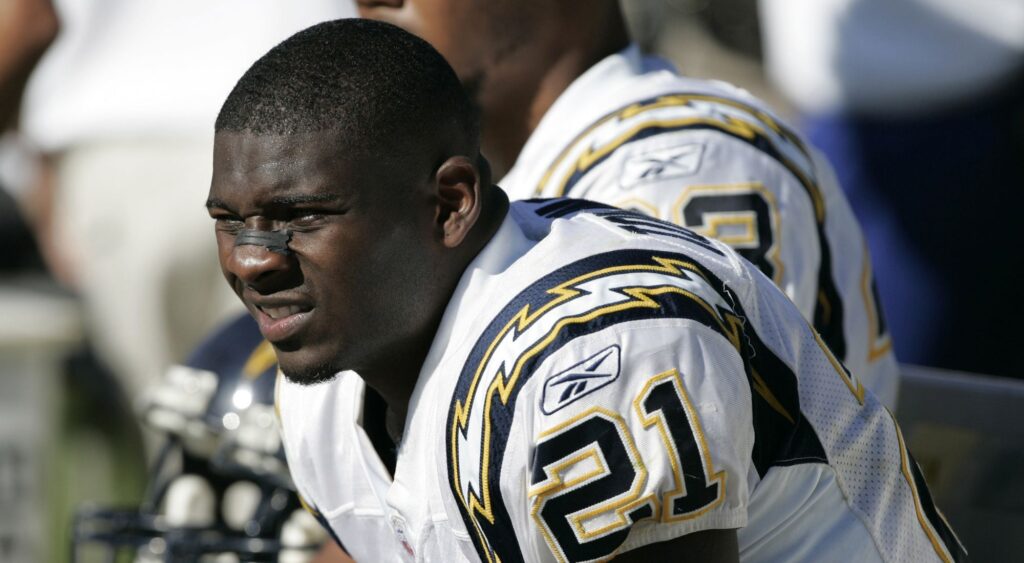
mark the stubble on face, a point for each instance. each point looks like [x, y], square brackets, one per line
[311, 375]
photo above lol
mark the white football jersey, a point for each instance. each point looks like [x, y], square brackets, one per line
[632, 133]
[601, 381]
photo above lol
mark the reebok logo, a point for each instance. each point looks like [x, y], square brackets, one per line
[661, 164]
[581, 379]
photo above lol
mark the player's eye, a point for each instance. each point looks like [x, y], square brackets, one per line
[300, 219]
[228, 224]
[306, 219]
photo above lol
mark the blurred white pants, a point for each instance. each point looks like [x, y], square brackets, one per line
[131, 216]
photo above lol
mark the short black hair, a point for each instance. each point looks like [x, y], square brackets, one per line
[372, 82]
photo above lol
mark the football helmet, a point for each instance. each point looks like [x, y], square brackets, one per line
[219, 488]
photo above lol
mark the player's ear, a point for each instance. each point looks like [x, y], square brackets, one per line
[458, 189]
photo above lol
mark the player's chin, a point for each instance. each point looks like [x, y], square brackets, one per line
[305, 368]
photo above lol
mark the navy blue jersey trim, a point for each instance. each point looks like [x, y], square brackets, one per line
[560, 207]
[931, 512]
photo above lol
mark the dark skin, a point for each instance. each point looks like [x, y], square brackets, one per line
[376, 252]
[515, 57]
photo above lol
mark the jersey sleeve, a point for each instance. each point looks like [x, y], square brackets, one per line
[637, 434]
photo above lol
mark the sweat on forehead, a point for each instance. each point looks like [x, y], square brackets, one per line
[369, 81]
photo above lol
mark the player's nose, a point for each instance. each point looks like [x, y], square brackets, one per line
[257, 266]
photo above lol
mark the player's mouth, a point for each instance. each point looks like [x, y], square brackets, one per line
[281, 321]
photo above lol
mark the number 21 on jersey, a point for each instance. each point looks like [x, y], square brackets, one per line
[588, 476]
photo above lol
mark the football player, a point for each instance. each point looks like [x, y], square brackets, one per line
[551, 380]
[572, 108]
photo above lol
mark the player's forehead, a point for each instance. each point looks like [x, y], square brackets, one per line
[247, 152]
[302, 163]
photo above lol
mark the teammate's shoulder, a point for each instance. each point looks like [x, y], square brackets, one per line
[662, 129]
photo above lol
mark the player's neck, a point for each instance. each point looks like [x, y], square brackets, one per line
[394, 377]
[512, 109]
